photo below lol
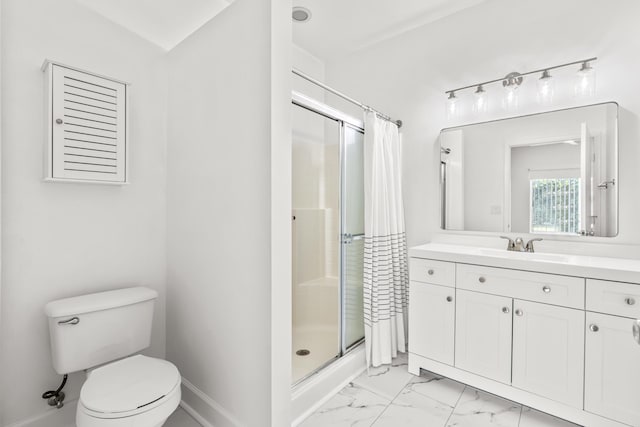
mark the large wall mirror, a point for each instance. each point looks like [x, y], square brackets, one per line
[553, 173]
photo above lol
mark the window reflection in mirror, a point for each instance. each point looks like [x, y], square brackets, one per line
[550, 173]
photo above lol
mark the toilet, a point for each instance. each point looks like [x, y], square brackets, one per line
[101, 333]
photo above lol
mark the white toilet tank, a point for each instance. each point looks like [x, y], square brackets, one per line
[94, 329]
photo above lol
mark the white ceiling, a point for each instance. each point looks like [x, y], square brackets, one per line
[339, 27]
[163, 22]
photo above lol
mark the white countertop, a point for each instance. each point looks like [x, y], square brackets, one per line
[617, 269]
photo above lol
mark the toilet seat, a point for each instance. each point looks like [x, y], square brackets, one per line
[130, 387]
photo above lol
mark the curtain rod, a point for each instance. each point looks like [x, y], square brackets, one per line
[345, 97]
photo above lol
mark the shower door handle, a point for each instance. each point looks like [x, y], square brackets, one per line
[348, 238]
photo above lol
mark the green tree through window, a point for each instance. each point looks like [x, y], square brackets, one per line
[555, 205]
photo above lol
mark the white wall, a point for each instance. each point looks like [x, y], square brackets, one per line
[406, 77]
[229, 224]
[310, 65]
[61, 240]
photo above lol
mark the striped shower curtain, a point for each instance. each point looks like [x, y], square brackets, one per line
[386, 277]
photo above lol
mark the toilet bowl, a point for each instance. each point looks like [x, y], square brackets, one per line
[101, 333]
[138, 391]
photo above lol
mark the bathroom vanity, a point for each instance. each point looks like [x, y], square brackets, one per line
[559, 333]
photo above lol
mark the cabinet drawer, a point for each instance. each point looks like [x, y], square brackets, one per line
[430, 271]
[620, 299]
[541, 287]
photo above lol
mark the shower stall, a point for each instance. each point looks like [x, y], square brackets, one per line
[328, 235]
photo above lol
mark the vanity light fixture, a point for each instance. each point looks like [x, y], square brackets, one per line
[584, 87]
[546, 88]
[481, 101]
[511, 83]
[453, 109]
[586, 80]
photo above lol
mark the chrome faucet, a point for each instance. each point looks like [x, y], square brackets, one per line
[518, 244]
[529, 246]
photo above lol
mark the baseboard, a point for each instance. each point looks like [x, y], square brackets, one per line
[193, 414]
[53, 417]
[204, 409]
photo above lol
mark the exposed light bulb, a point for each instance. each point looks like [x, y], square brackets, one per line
[510, 100]
[453, 106]
[481, 101]
[585, 81]
[546, 88]
[511, 83]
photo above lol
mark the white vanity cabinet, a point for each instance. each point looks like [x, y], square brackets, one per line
[432, 288]
[554, 337]
[612, 368]
[483, 335]
[612, 361]
[548, 351]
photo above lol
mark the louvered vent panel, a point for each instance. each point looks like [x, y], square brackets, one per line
[88, 126]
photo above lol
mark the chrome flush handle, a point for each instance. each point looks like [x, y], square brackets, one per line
[73, 321]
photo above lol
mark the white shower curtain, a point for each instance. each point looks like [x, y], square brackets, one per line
[386, 277]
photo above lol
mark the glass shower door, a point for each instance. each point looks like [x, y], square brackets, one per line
[315, 226]
[352, 196]
[328, 237]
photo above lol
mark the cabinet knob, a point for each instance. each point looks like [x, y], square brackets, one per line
[546, 289]
[481, 279]
[505, 310]
[449, 299]
[630, 301]
[59, 121]
[519, 312]
[430, 272]
[594, 328]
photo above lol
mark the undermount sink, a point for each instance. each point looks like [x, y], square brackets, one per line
[530, 256]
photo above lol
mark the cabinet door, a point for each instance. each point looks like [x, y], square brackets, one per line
[483, 335]
[548, 351]
[431, 321]
[612, 369]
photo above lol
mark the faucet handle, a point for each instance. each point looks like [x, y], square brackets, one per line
[511, 245]
[529, 246]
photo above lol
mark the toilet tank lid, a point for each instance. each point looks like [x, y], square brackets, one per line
[99, 301]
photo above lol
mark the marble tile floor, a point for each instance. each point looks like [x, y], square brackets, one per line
[392, 397]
